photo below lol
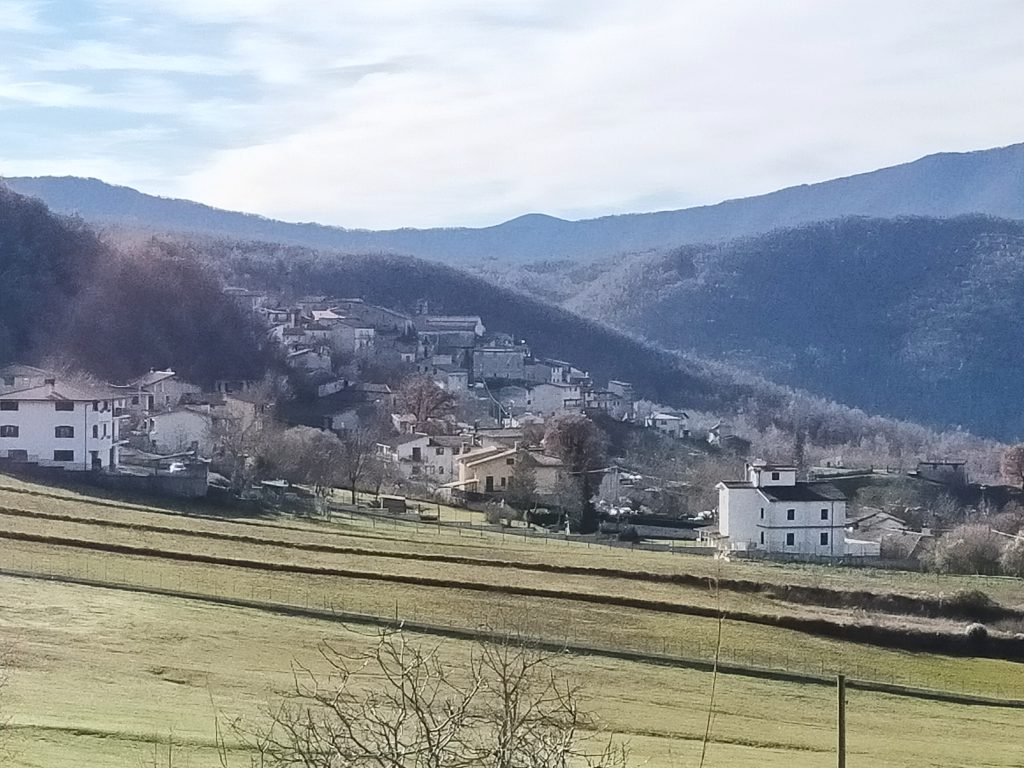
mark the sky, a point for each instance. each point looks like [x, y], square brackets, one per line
[423, 113]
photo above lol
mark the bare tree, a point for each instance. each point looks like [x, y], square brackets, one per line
[522, 485]
[1012, 464]
[243, 451]
[581, 445]
[425, 400]
[311, 457]
[970, 548]
[508, 708]
[358, 458]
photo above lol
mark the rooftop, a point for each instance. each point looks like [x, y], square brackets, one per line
[63, 391]
[151, 378]
[803, 492]
[19, 370]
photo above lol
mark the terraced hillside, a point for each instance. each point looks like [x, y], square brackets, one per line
[128, 619]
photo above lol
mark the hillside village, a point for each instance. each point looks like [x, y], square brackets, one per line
[439, 407]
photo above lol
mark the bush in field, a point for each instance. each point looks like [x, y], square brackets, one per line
[972, 603]
[499, 513]
[511, 707]
[972, 548]
[976, 633]
[1012, 560]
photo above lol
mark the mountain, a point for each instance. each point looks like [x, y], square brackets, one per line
[679, 380]
[989, 182]
[919, 318]
[68, 298]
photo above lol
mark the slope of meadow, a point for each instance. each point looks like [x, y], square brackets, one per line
[154, 646]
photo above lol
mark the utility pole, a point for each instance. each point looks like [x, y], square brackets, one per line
[841, 691]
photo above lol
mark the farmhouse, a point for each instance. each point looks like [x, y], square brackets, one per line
[425, 458]
[502, 363]
[158, 390]
[772, 512]
[674, 425]
[553, 399]
[490, 470]
[49, 421]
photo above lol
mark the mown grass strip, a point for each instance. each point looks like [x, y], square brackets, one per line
[889, 603]
[996, 647]
[554, 646]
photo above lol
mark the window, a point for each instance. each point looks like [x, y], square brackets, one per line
[95, 405]
[791, 514]
[64, 432]
[790, 539]
[775, 475]
[823, 538]
[504, 482]
[64, 405]
[18, 455]
[762, 537]
[8, 381]
[439, 451]
[8, 430]
[510, 462]
[63, 455]
[455, 451]
[8, 405]
[824, 514]
[762, 513]
[95, 430]
[440, 470]
[135, 399]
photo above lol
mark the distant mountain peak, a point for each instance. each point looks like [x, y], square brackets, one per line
[941, 185]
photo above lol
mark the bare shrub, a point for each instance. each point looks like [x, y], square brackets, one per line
[402, 705]
[969, 548]
[1012, 560]
[976, 633]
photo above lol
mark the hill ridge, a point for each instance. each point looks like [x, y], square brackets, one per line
[987, 181]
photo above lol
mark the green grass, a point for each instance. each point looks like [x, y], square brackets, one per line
[102, 675]
[398, 535]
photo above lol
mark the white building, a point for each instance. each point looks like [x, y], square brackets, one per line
[196, 425]
[772, 512]
[675, 425]
[158, 390]
[431, 459]
[553, 399]
[49, 421]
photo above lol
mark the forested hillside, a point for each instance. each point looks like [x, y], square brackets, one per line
[67, 297]
[773, 414]
[919, 318]
[948, 184]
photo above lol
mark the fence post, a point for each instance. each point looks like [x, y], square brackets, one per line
[841, 692]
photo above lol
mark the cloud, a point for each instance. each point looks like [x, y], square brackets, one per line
[431, 112]
[20, 16]
[670, 103]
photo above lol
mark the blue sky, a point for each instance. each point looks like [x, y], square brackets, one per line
[444, 112]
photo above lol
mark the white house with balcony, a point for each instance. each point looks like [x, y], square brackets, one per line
[771, 512]
[430, 459]
[56, 422]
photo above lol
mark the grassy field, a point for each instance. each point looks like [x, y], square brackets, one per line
[100, 675]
